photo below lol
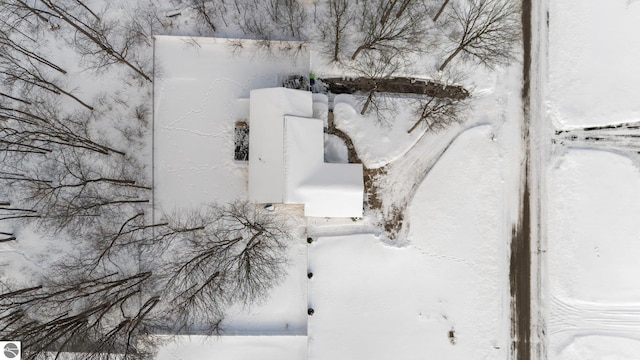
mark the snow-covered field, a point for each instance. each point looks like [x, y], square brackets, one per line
[375, 301]
[591, 292]
[593, 61]
[235, 347]
[592, 254]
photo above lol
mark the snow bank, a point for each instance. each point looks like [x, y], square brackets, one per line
[593, 61]
[335, 150]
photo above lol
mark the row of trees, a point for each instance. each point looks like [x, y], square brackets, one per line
[382, 38]
[260, 19]
[379, 39]
[480, 30]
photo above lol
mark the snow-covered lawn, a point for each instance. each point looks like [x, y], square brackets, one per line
[593, 61]
[378, 143]
[591, 293]
[593, 251]
[235, 347]
[374, 301]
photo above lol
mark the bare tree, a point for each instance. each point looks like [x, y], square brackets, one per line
[271, 19]
[396, 27]
[436, 114]
[289, 17]
[7, 212]
[335, 25]
[376, 67]
[41, 126]
[250, 17]
[237, 254]
[210, 12]
[7, 44]
[74, 189]
[104, 41]
[207, 260]
[485, 31]
[17, 14]
[22, 70]
[104, 316]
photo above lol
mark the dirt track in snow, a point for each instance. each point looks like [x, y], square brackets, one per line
[520, 281]
[520, 259]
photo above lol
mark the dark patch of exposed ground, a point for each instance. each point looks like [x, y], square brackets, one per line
[398, 85]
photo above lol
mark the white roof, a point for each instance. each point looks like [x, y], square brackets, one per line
[201, 92]
[267, 109]
[286, 158]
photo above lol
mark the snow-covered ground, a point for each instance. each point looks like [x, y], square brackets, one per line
[235, 347]
[591, 293]
[377, 143]
[375, 301]
[593, 62]
[592, 255]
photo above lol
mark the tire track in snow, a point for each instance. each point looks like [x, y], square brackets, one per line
[576, 317]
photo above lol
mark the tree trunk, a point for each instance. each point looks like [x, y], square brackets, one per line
[336, 40]
[448, 60]
[415, 125]
[435, 18]
[358, 50]
[403, 7]
[368, 102]
[15, 98]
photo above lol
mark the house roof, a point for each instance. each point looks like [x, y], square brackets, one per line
[286, 158]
